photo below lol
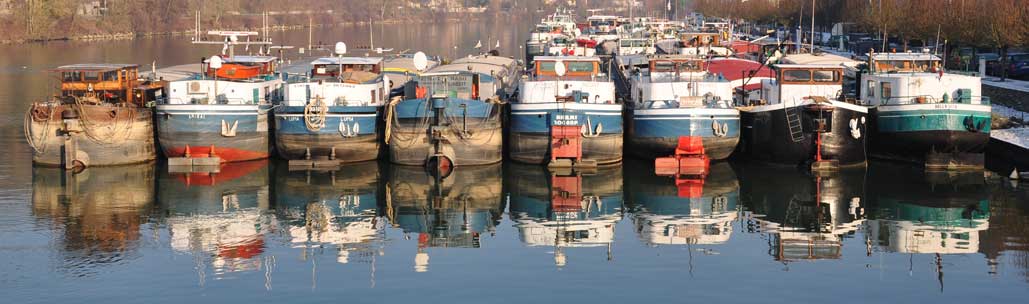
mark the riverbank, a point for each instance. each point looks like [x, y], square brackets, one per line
[414, 19]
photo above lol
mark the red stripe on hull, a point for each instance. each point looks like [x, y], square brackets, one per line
[226, 173]
[226, 154]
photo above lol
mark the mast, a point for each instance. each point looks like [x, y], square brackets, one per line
[812, 26]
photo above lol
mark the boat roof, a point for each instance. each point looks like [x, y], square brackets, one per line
[808, 66]
[823, 58]
[733, 68]
[601, 17]
[487, 65]
[249, 59]
[566, 58]
[96, 66]
[403, 64]
[904, 56]
[676, 57]
[347, 60]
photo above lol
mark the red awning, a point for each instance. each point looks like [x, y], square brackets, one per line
[736, 68]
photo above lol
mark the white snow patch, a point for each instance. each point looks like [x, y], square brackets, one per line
[1008, 112]
[1018, 136]
[1010, 84]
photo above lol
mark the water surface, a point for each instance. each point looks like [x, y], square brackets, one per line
[509, 233]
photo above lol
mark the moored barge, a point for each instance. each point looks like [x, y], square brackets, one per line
[100, 118]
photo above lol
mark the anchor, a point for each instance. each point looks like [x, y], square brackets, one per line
[227, 131]
[347, 131]
[588, 131]
[719, 130]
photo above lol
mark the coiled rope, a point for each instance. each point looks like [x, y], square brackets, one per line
[314, 114]
[31, 115]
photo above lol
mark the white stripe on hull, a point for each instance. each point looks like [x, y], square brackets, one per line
[934, 106]
[567, 105]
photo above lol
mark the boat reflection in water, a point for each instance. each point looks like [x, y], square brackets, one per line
[449, 212]
[98, 213]
[565, 211]
[928, 212]
[806, 216]
[219, 216]
[670, 211]
[332, 209]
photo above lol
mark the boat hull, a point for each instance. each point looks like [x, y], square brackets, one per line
[910, 132]
[470, 132]
[237, 132]
[531, 125]
[349, 134]
[766, 136]
[655, 132]
[102, 135]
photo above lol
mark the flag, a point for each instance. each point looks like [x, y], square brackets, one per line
[478, 45]
[498, 44]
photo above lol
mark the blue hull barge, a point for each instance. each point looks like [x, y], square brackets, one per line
[333, 116]
[451, 115]
[568, 120]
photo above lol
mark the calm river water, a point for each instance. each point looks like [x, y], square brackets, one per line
[372, 232]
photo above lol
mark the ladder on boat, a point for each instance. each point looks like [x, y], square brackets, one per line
[793, 122]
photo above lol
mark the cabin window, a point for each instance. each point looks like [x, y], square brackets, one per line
[72, 76]
[570, 66]
[826, 76]
[91, 76]
[887, 91]
[796, 75]
[870, 89]
[111, 76]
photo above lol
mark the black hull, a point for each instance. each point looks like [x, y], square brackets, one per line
[766, 137]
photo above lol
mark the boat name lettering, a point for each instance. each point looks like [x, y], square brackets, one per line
[566, 120]
[196, 116]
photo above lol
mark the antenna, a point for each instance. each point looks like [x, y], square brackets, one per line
[341, 48]
[420, 61]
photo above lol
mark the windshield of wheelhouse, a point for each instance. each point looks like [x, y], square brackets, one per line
[351, 73]
[460, 86]
[672, 71]
[906, 66]
[574, 70]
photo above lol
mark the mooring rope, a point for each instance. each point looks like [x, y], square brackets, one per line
[30, 118]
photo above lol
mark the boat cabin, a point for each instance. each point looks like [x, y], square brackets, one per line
[452, 84]
[107, 83]
[794, 82]
[908, 78]
[676, 68]
[701, 39]
[244, 67]
[904, 63]
[576, 68]
[347, 69]
[631, 46]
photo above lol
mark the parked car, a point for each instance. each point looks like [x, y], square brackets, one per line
[1018, 65]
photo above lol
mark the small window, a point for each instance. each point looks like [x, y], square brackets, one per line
[826, 76]
[887, 91]
[796, 75]
[870, 89]
[91, 76]
[111, 76]
[72, 76]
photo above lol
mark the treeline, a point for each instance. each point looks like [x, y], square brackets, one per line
[998, 24]
[32, 20]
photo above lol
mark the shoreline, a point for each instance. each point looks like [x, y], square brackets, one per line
[271, 28]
